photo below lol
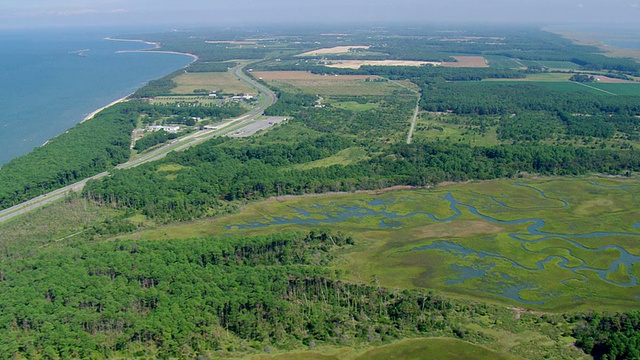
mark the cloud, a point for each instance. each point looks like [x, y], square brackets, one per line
[118, 11]
[74, 12]
[635, 6]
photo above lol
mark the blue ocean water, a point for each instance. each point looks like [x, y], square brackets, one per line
[46, 87]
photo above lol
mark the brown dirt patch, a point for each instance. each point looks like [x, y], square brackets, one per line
[356, 64]
[334, 50]
[305, 75]
[609, 80]
[467, 61]
[459, 228]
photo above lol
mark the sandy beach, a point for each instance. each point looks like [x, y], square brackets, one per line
[155, 44]
[92, 114]
[195, 57]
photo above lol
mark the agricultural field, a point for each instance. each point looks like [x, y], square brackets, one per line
[467, 61]
[357, 64]
[221, 82]
[334, 50]
[618, 88]
[552, 65]
[497, 61]
[551, 245]
[555, 82]
[538, 77]
[306, 82]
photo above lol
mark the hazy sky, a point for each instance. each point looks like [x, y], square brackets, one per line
[39, 13]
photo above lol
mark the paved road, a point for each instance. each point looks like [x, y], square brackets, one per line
[266, 99]
[256, 126]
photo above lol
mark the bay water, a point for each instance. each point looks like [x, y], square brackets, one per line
[51, 80]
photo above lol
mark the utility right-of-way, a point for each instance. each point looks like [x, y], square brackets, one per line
[267, 98]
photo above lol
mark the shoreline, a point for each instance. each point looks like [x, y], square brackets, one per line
[195, 57]
[583, 38]
[156, 44]
[150, 51]
[93, 113]
[154, 50]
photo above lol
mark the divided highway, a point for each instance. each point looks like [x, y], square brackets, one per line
[267, 98]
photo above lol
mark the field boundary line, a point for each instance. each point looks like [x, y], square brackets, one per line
[595, 88]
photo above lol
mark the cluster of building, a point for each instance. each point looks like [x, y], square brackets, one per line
[169, 129]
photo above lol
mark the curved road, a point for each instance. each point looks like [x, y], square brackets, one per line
[267, 98]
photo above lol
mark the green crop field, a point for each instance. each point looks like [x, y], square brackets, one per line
[619, 89]
[562, 86]
[563, 65]
[496, 61]
[552, 245]
[222, 82]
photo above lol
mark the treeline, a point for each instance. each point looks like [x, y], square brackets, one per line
[200, 66]
[84, 150]
[500, 99]
[532, 112]
[601, 62]
[195, 297]
[609, 336]
[214, 173]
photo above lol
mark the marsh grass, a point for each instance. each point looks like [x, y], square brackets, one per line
[395, 238]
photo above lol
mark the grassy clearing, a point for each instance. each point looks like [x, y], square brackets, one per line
[170, 168]
[415, 238]
[431, 348]
[51, 224]
[344, 157]
[355, 106]
[432, 126]
[222, 82]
